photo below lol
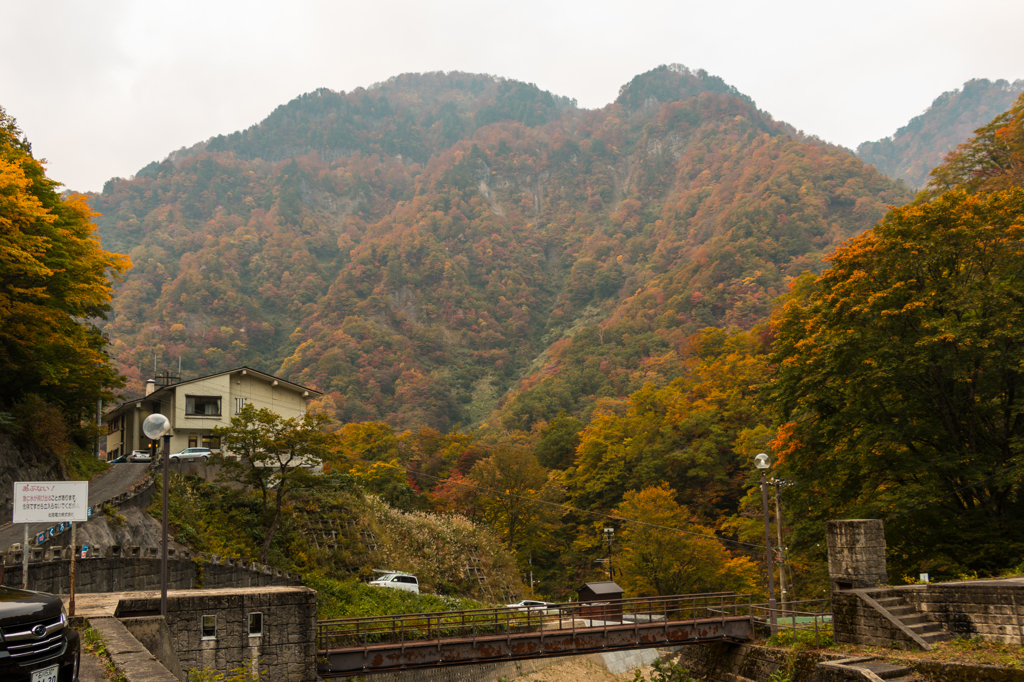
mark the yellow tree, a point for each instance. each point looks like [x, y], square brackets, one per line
[664, 552]
[512, 479]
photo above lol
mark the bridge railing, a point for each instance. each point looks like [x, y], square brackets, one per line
[362, 632]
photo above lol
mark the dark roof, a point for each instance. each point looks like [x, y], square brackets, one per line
[605, 587]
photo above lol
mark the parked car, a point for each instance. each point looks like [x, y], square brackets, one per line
[192, 454]
[140, 456]
[37, 644]
[119, 460]
[398, 581]
[530, 605]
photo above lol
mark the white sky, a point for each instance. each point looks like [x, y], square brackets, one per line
[102, 88]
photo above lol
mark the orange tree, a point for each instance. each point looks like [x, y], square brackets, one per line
[54, 283]
[900, 383]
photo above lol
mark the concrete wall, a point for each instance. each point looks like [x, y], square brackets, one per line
[856, 554]
[286, 650]
[990, 610]
[484, 672]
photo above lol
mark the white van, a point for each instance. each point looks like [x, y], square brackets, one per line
[398, 580]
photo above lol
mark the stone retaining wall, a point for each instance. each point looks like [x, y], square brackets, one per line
[134, 574]
[854, 621]
[993, 611]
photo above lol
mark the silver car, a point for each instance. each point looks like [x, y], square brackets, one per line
[140, 456]
[192, 454]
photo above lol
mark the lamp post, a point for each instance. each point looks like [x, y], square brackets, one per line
[156, 426]
[761, 462]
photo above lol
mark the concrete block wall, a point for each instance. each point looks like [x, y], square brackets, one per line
[286, 649]
[991, 611]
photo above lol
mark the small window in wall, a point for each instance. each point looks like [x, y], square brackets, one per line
[193, 440]
[210, 627]
[239, 404]
[255, 624]
[202, 406]
[212, 442]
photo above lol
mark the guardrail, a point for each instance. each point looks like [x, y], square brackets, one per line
[808, 614]
[349, 633]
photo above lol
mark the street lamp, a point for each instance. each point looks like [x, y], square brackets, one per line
[761, 462]
[157, 426]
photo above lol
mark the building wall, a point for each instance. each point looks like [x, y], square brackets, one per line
[286, 650]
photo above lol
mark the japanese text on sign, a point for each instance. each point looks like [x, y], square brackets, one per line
[51, 501]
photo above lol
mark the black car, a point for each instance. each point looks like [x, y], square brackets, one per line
[36, 642]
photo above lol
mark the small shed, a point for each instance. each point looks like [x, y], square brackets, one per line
[601, 601]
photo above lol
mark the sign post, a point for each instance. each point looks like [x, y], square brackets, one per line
[49, 502]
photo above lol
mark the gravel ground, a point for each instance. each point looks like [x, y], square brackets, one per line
[577, 669]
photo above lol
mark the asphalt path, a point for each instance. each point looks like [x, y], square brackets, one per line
[112, 482]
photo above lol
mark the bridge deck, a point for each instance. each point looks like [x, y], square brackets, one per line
[386, 643]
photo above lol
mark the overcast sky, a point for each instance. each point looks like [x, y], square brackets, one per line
[102, 88]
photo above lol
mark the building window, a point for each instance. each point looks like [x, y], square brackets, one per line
[202, 406]
[239, 404]
[255, 624]
[193, 440]
[212, 442]
[210, 627]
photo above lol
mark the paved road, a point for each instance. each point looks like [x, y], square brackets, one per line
[114, 481]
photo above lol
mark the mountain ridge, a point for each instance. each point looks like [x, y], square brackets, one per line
[421, 291]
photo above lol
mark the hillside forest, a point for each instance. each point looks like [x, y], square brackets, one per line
[550, 320]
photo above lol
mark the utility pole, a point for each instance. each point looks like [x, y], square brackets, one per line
[609, 536]
[781, 548]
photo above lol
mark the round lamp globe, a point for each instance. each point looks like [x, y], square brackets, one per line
[155, 426]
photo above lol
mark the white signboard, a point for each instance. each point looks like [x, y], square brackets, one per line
[51, 501]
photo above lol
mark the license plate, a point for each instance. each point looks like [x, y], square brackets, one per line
[46, 674]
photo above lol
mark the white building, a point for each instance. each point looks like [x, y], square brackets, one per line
[198, 406]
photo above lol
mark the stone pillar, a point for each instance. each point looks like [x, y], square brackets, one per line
[856, 554]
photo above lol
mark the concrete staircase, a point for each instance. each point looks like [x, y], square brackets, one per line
[888, 671]
[911, 618]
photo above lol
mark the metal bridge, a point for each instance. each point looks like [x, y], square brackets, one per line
[352, 646]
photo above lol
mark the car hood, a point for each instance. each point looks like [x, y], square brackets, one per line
[18, 605]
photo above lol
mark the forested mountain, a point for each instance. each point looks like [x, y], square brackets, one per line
[441, 246]
[921, 145]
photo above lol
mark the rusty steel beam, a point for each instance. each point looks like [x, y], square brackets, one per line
[524, 645]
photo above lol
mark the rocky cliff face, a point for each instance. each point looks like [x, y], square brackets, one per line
[23, 464]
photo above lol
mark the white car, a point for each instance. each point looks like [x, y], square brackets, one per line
[192, 454]
[398, 581]
[140, 456]
[529, 605]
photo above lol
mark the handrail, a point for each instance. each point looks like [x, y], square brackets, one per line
[798, 619]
